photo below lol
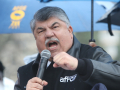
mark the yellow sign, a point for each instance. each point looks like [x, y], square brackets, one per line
[16, 16]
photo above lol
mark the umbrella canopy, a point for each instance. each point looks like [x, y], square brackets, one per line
[111, 17]
[77, 0]
[16, 14]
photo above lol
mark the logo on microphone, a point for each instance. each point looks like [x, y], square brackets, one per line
[68, 78]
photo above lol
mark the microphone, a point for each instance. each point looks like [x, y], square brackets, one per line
[45, 55]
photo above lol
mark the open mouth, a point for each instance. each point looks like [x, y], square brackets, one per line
[52, 44]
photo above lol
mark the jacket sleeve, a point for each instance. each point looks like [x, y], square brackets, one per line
[17, 84]
[105, 70]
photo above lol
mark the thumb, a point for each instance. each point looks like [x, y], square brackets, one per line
[55, 65]
[44, 83]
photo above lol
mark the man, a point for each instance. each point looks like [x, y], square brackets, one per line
[74, 66]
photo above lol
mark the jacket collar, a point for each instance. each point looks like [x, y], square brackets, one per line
[75, 49]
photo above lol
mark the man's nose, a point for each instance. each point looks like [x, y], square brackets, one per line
[49, 33]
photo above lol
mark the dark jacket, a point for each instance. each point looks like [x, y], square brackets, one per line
[94, 66]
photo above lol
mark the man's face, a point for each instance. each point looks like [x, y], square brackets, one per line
[56, 29]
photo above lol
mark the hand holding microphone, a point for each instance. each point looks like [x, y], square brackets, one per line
[37, 82]
[62, 60]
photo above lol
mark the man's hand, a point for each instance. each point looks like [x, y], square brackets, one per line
[92, 44]
[36, 84]
[65, 61]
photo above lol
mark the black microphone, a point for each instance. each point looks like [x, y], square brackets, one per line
[45, 55]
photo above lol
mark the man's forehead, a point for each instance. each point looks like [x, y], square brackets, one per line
[49, 22]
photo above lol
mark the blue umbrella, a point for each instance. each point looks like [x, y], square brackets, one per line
[16, 14]
[112, 17]
[77, 0]
[92, 14]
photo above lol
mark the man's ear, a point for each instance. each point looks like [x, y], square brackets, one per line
[70, 29]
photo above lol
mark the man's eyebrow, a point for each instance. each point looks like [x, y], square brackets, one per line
[54, 24]
[41, 28]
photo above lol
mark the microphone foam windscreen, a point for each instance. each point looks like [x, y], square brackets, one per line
[46, 54]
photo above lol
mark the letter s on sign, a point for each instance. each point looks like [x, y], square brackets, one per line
[20, 15]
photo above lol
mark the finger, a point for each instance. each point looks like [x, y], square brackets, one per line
[62, 64]
[33, 89]
[36, 80]
[58, 56]
[55, 65]
[37, 86]
[36, 83]
[57, 62]
[44, 83]
[60, 60]
[33, 83]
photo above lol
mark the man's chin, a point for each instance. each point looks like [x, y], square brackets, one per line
[54, 53]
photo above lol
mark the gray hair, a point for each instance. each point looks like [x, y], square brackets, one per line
[47, 12]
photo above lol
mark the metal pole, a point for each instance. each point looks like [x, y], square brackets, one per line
[92, 21]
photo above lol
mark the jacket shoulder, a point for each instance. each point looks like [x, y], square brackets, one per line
[24, 68]
[87, 51]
